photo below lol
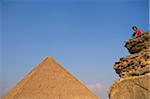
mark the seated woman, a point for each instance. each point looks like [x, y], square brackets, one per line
[137, 31]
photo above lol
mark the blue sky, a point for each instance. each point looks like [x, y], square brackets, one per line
[85, 37]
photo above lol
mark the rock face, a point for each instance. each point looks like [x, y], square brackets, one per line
[131, 88]
[133, 70]
[49, 80]
[138, 43]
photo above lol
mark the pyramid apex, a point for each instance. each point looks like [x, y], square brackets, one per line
[48, 58]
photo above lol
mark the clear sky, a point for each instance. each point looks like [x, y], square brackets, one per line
[85, 36]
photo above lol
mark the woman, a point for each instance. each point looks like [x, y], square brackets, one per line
[137, 31]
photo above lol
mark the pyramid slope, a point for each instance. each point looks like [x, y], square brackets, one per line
[49, 80]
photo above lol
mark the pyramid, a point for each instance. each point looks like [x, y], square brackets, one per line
[48, 80]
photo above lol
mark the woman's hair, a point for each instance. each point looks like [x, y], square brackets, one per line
[134, 27]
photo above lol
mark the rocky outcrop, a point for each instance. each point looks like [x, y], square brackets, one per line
[131, 88]
[138, 43]
[133, 71]
[133, 65]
